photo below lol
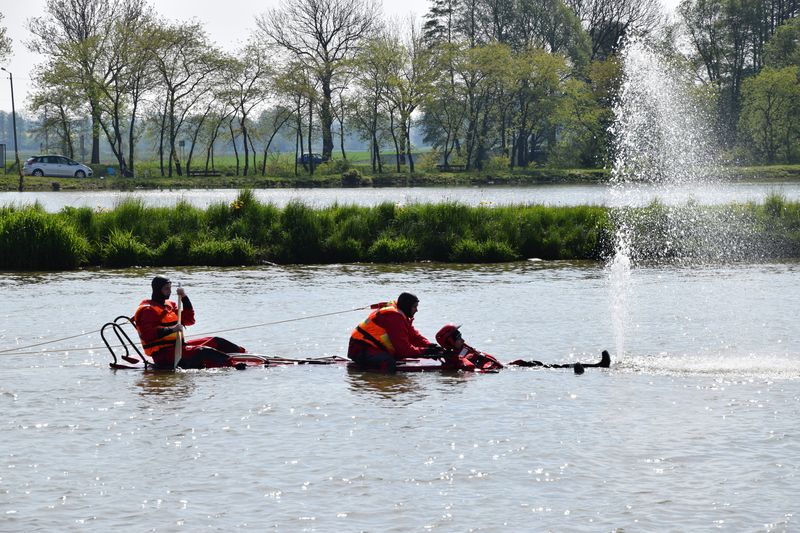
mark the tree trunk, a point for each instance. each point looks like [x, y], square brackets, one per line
[310, 131]
[341, 129]
[95, 107]
[326, 118]
[394, 138]
[235, 148]
[407, 133]
[244, 142]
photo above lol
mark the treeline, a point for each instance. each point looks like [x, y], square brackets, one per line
[247, 232]
[497, 84]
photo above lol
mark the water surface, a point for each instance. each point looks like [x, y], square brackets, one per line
[558, 195]
[693, 428]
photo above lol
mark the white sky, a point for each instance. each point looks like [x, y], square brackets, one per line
[228, 27]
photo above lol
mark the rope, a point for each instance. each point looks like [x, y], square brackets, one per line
[9, 351]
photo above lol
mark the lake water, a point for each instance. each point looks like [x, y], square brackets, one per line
[693, 428]
[494, 195]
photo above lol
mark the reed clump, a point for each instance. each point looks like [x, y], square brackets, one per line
[31, 239]
[247, 232]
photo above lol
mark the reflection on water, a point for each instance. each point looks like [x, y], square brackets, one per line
[402, 389]
[159, 385]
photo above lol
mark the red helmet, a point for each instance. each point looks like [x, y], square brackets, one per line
[447, 336]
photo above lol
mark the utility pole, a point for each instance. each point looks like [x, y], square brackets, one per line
[14, 124]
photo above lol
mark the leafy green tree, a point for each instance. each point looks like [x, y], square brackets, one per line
[5, 42]
[728, 39]
[538, 87]
[247, 86]
[77, 34]
[188, 67]
[58, 107]
[324, 35]
[375, 65]
[771, 113]
[783, 49]
[408, 85]
[127, 62]
[581, 123]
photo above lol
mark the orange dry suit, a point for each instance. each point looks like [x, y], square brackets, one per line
[153, 319]
[388, 331]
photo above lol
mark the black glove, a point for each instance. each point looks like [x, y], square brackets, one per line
[433, 350]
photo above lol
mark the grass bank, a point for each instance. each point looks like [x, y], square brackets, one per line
[330, 176]
[247, 232]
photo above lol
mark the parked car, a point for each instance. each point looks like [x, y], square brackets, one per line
[55, 165]
[316, 159]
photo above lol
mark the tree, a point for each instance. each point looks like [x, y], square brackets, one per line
[5, 42]
[783, 49]
[77, 33]
[186, 63]
[771, 113]
[538, 76]
[582, 124]
[727, 37]
[323, 35]
[409, 84]
[608, 21]
[376, 63]
[128, 65]
[247, 87]
[57, 105]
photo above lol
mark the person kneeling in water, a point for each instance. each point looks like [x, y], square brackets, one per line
[388, 336]
[460, 355]
[156, 322]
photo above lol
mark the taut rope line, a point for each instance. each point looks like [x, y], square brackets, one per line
[11, 351]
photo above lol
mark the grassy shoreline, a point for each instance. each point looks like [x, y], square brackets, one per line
[248, 232]
[10, 182]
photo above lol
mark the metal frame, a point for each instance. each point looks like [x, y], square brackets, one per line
[125, 342]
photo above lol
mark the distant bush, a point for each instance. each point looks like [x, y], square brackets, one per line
[223, 253]
[123, 249]
[245, 232]
[393, 250]
[31, 239]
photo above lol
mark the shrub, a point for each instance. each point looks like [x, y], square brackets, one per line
[223, 253]
[351, 178]
[472, 251]
[122, 249]
[393, 250]
[33, 240]
[496, 163]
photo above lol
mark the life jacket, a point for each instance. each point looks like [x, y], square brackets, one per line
[373, 334]
[168, 319]
[472, 360]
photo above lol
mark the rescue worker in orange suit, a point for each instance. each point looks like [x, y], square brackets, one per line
[156, 322]
[389, 335]
[459, 355]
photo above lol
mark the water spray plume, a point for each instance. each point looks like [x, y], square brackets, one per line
[663, 141]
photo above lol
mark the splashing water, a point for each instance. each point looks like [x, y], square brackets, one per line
[663, 141]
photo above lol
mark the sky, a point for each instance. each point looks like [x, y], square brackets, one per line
[227, 27]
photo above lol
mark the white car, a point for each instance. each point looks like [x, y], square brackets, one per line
[55, 165]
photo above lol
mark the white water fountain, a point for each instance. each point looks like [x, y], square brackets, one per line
[663, 143]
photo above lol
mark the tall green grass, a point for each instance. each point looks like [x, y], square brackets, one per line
[31, 239]
[247, 232]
